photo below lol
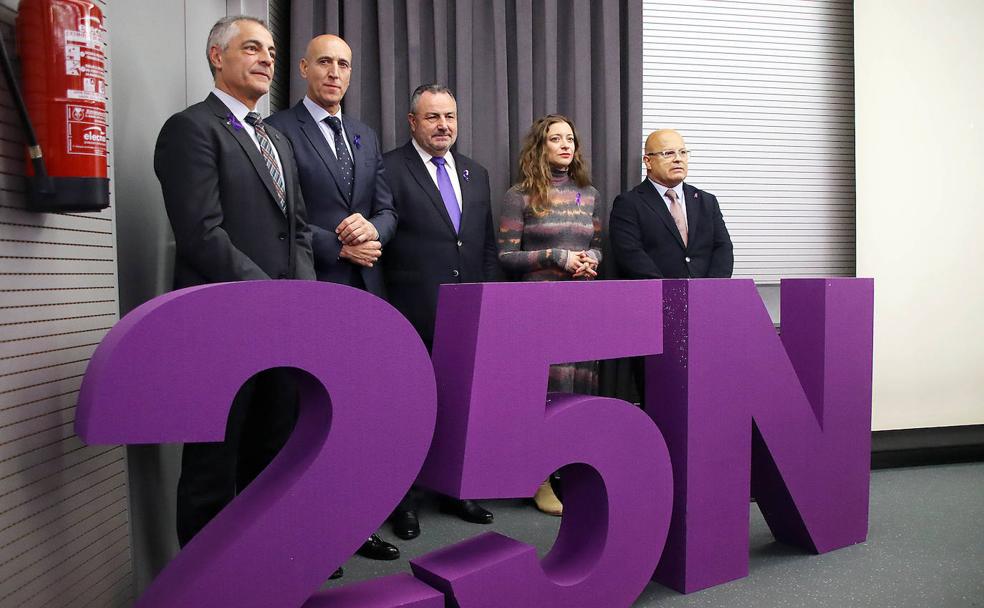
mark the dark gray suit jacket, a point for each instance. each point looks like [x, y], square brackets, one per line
[647, 245]
[221, 203]
[426, 251]
[327, 204]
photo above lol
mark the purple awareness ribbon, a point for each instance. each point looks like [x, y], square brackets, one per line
[447, 192]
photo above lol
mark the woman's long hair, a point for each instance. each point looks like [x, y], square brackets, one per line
[534, 169]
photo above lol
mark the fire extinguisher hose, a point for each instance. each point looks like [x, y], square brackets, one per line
[44, 183]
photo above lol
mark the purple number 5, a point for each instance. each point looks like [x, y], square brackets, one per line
[496, 439]
[168, 373]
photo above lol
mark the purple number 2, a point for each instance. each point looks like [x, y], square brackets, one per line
[168, 373]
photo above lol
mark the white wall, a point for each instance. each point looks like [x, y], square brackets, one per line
[920, 205]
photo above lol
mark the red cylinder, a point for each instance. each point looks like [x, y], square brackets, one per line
[61, 44]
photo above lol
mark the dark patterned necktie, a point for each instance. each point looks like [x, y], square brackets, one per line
[345, 163]
[266, 149]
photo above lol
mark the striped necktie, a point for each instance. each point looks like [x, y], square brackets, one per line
[266, 149]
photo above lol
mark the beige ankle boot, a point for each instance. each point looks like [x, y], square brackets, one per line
[547, 501]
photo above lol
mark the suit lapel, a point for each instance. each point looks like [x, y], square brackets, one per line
[415, 165]
[651, 195]
[313, 132]
[693, 210]
[467, 192]
[245, 141]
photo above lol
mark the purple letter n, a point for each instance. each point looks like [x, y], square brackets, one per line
[742, 409]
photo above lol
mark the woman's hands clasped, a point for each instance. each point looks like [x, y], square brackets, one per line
[581, 265]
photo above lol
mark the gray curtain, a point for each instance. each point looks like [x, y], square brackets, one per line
[509, 62]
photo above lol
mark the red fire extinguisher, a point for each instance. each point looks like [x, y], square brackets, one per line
[61, 44]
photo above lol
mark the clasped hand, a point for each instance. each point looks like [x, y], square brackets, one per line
[360, 244]
[356, 229]
[363, 254]
[581, 265]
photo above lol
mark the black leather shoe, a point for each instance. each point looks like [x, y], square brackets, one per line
[336, 574]
[468, 510]
[405, 524]
[377, 548]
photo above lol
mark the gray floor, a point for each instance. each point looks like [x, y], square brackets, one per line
[925, 549]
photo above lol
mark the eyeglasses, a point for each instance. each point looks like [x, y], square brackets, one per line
[670, 154]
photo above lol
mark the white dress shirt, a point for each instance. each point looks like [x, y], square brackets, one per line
[679, 192]
[432, 169]
[319, 115]
[239, 110]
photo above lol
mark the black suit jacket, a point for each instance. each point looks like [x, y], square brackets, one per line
[647, 245]
[426, 251]
[327, 204]
[220, 199]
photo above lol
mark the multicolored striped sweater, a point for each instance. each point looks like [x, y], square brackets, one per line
[535, 248]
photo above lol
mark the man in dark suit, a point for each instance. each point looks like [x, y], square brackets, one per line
[349, 204]
[665, 228]
[232, 195]
[445, 235]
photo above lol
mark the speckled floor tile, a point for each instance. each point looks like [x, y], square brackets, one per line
[925, 549]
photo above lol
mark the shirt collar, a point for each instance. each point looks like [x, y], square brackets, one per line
[427, 156]
[662, 189]
[317, 112]
[238, 108]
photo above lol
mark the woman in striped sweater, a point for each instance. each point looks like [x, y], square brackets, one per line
[550, 230]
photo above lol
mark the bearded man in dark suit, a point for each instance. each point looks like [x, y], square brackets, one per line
[445, 235]
[232, 196]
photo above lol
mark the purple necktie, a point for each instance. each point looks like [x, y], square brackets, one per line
[447, 192]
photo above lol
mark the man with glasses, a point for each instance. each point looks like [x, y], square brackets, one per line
[665, 228]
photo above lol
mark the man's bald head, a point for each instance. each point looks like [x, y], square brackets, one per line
[327, 67]
[319, 43]
[662, 166]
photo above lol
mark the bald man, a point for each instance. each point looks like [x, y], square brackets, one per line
[350, 206]
[666, 228]
[341, 169]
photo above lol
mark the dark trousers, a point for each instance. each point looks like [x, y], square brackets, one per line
[639, 378]
[261, 419]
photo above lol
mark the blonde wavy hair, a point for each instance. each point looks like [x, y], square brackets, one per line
[534, 169]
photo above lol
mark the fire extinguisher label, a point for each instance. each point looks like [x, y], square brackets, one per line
[85, 63]
[86, 130]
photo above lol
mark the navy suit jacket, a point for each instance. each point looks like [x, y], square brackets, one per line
[328, 205]
[647, 245]
[221, 203]
[426, 250]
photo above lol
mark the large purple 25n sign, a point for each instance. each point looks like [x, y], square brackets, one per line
[732, 409]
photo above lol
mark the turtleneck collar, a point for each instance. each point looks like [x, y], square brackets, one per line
[558, 177]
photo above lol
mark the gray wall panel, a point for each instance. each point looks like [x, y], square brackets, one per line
[64, 522]
[763, 92]
[147, 91]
